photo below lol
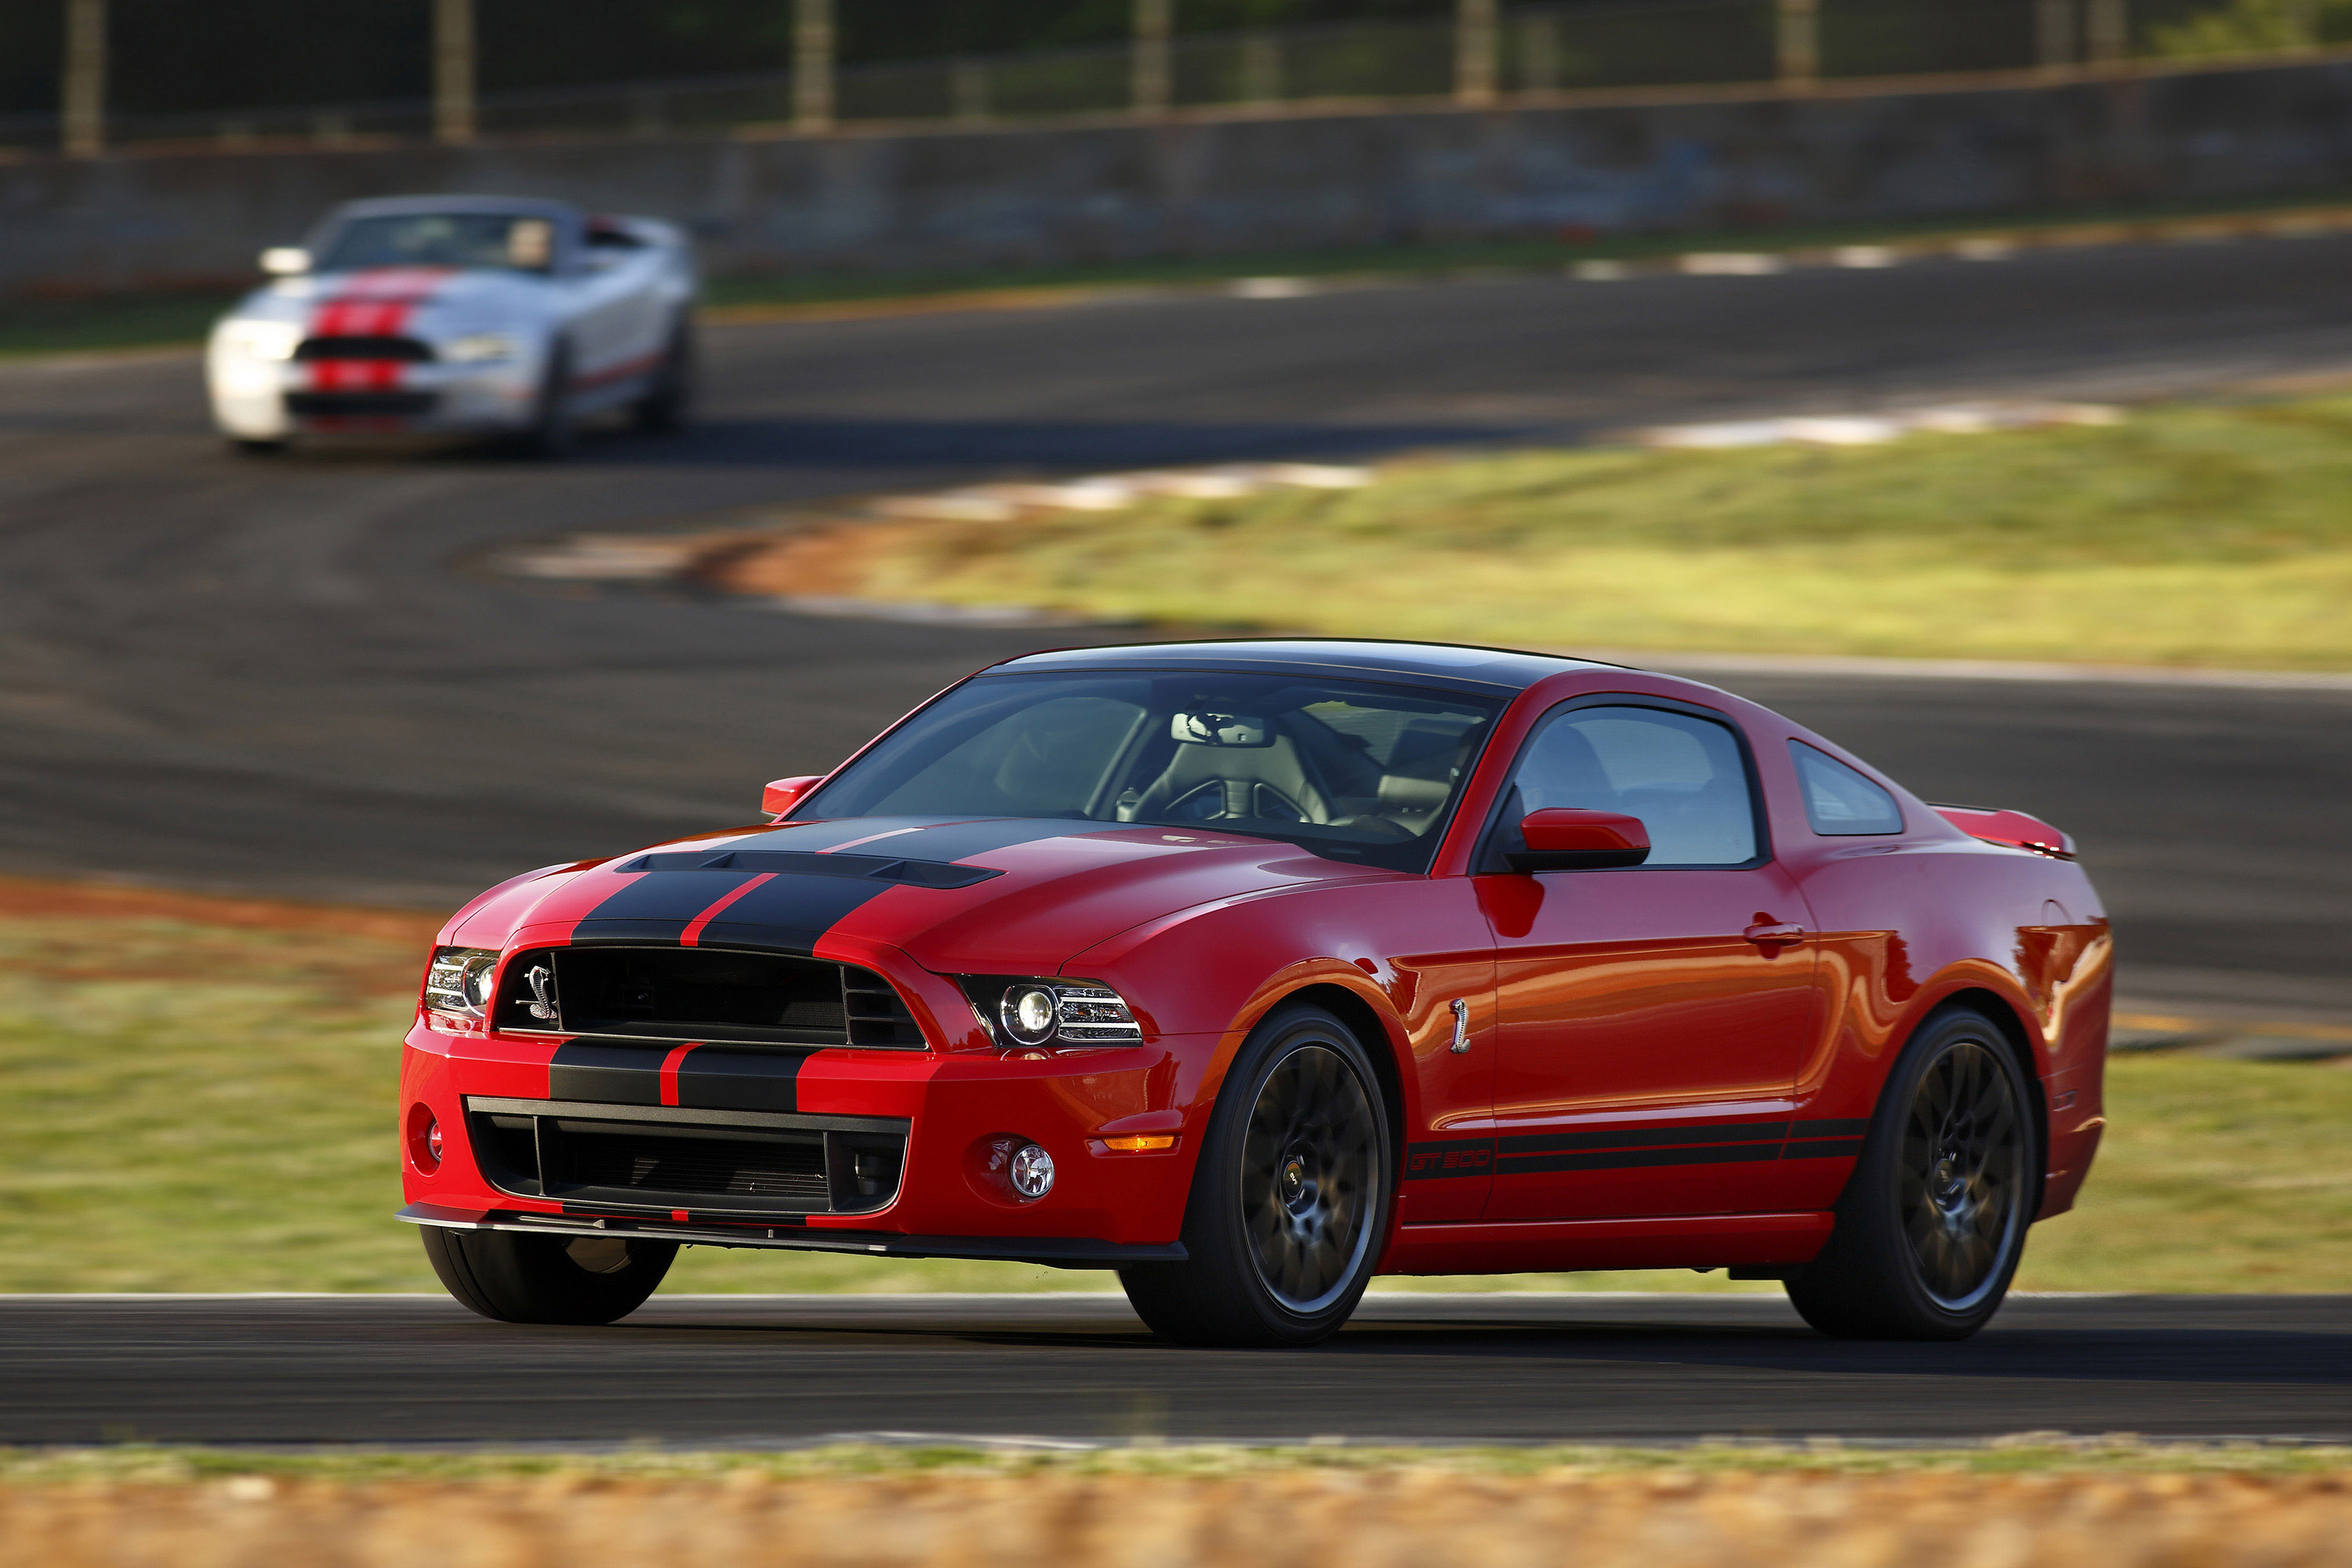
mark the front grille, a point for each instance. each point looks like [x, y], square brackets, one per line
[371, 348]
[702, 993]
[360, 404]
[743, 1165]
[628, 1158]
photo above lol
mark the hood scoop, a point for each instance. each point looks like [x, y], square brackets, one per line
[813, 863]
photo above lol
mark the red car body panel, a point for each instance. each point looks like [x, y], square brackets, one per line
[1663, 1067]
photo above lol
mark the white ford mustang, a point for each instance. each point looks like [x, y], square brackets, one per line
[462, 314]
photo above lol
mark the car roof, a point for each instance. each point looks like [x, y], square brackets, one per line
[1451, 664]
[399, 206]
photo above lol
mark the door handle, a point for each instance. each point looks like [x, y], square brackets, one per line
[1768, 934]
[1460, 1027]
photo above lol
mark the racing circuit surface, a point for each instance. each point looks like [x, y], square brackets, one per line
[292, 677]
[711, 1369]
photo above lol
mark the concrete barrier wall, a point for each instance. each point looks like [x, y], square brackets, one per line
[936, 200]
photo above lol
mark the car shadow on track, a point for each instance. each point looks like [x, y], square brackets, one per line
[2065, 1354]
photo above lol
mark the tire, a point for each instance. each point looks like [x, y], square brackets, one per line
[516, 1279]
[1291, 1199]
[1933, 1220]
[554, 430]
[256, 445]
[664, 407]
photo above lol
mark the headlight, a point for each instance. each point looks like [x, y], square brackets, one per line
[258, 340]
[478, 347]
[459, 981]
[1034, 1014]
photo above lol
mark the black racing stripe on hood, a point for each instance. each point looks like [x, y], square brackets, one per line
[661, 904]
[788, 913]
[785, 913]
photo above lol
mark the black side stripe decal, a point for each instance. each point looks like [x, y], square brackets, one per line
[1635, 1147]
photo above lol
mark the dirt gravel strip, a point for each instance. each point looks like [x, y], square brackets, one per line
[1302, 1517]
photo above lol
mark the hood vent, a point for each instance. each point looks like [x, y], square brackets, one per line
[814, 863]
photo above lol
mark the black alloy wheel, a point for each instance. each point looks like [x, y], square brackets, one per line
[1290, 1200]
[1933, 1221]
[664, 406]
[511, 1278]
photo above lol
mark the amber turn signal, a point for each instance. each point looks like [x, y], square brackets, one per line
[1143, 1143]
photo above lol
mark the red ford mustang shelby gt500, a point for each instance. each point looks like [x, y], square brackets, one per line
[1254, 969]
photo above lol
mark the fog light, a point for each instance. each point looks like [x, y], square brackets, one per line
[1033, 1172]
[424, 1139]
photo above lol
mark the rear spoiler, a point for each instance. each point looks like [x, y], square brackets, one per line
[2014, 829]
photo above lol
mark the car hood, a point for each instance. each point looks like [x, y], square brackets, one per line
[384, 301]
[1001, 895]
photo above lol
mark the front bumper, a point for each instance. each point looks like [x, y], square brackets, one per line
[271, 399]
[876, 1151]
[1055, 1252]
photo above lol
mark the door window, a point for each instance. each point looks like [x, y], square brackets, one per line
[1684, 776]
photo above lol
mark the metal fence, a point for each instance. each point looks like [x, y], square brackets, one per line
[1536, 50]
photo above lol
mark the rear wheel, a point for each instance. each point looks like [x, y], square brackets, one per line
[1933, 1221]
[1290, 1199]
[664, 406]
[518, 1279]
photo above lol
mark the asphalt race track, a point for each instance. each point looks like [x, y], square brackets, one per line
[708, 1369]
[292, 677]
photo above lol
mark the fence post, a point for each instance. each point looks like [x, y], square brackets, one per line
[2109, 34]
[2054, 33]
[84, 97]
[1261, 66]
[968, 91]
[1798, 41]
[1477, 52]
[813, 65]
[453, 72]
[1154, 72]
[2303, 24]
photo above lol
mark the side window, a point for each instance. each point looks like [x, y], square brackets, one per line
[1840, 802]
[1681, 776]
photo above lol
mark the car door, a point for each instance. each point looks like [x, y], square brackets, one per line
[1651, 1021]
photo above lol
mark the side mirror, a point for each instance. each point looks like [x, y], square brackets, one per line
[1567, 838]
[785, 794]
[286, 261]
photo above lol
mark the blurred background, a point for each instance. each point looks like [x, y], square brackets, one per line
[1967, 378]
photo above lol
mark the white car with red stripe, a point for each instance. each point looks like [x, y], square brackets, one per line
[460, 314]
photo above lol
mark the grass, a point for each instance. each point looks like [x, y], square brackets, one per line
[170, 1465]
[2216, 534]
[200, 1096]
[2119, 1505]
[163, 318]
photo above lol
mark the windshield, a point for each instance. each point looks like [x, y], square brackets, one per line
[1349, 770]
[516, 241]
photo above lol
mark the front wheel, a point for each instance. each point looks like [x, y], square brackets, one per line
[1933, 1220]
[1291, 1198]
[517, 1278]
[554, 428]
